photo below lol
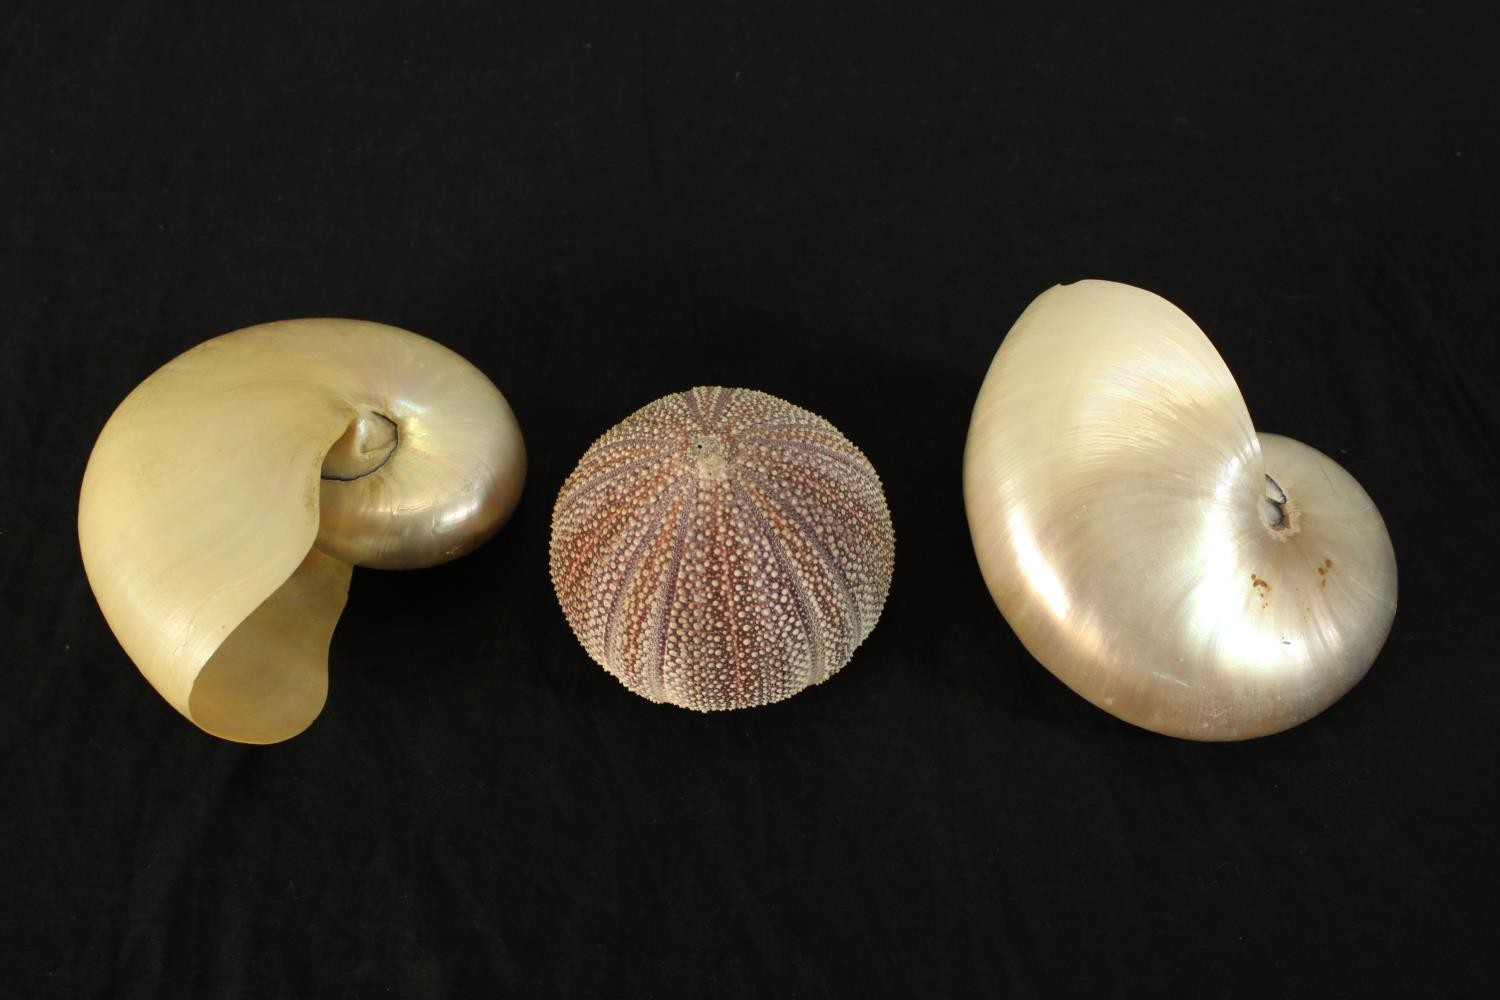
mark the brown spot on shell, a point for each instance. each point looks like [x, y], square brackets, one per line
[721, 548]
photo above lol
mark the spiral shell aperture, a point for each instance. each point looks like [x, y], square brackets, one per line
[1148, 547]
[721, 548]
[229, 495]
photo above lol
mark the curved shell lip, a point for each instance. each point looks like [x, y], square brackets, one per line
[700, 438]
[184, 571]
[244, 695]
[1221, 629]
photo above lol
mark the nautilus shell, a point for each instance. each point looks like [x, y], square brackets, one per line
[231, 493]
[1147, 546]
[722, 548]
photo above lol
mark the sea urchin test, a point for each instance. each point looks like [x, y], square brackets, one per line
[230, 495]
[722, 548]
[1149, 548]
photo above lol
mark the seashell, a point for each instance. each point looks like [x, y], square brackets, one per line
[1148, 547]
[231, 493]
[722, 548]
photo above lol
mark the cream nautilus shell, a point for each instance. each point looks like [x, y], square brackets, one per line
[231, 493]
[722, 548]
[1147, 546]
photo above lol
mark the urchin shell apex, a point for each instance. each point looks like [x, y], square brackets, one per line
[722, 548]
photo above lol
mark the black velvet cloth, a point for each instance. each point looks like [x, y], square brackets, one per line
[846, 206]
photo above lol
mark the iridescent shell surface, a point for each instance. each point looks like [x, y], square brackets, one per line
[1164, 560]
[230, 495]
[722, 548]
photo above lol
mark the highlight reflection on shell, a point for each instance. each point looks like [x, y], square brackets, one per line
[722, 548]
[229, 495]
[1148, 547]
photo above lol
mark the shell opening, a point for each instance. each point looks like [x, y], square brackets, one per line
[367, 444]
[268, 679]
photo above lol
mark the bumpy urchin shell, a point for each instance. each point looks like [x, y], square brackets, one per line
[722, 548]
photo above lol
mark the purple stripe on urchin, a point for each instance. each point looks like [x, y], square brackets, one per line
[836, 571]
[721, 548]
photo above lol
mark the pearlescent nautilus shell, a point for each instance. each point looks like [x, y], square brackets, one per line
[230, 494]
[1149, 548]
[722, 548]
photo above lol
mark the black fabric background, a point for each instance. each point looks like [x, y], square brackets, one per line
[600, 203]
